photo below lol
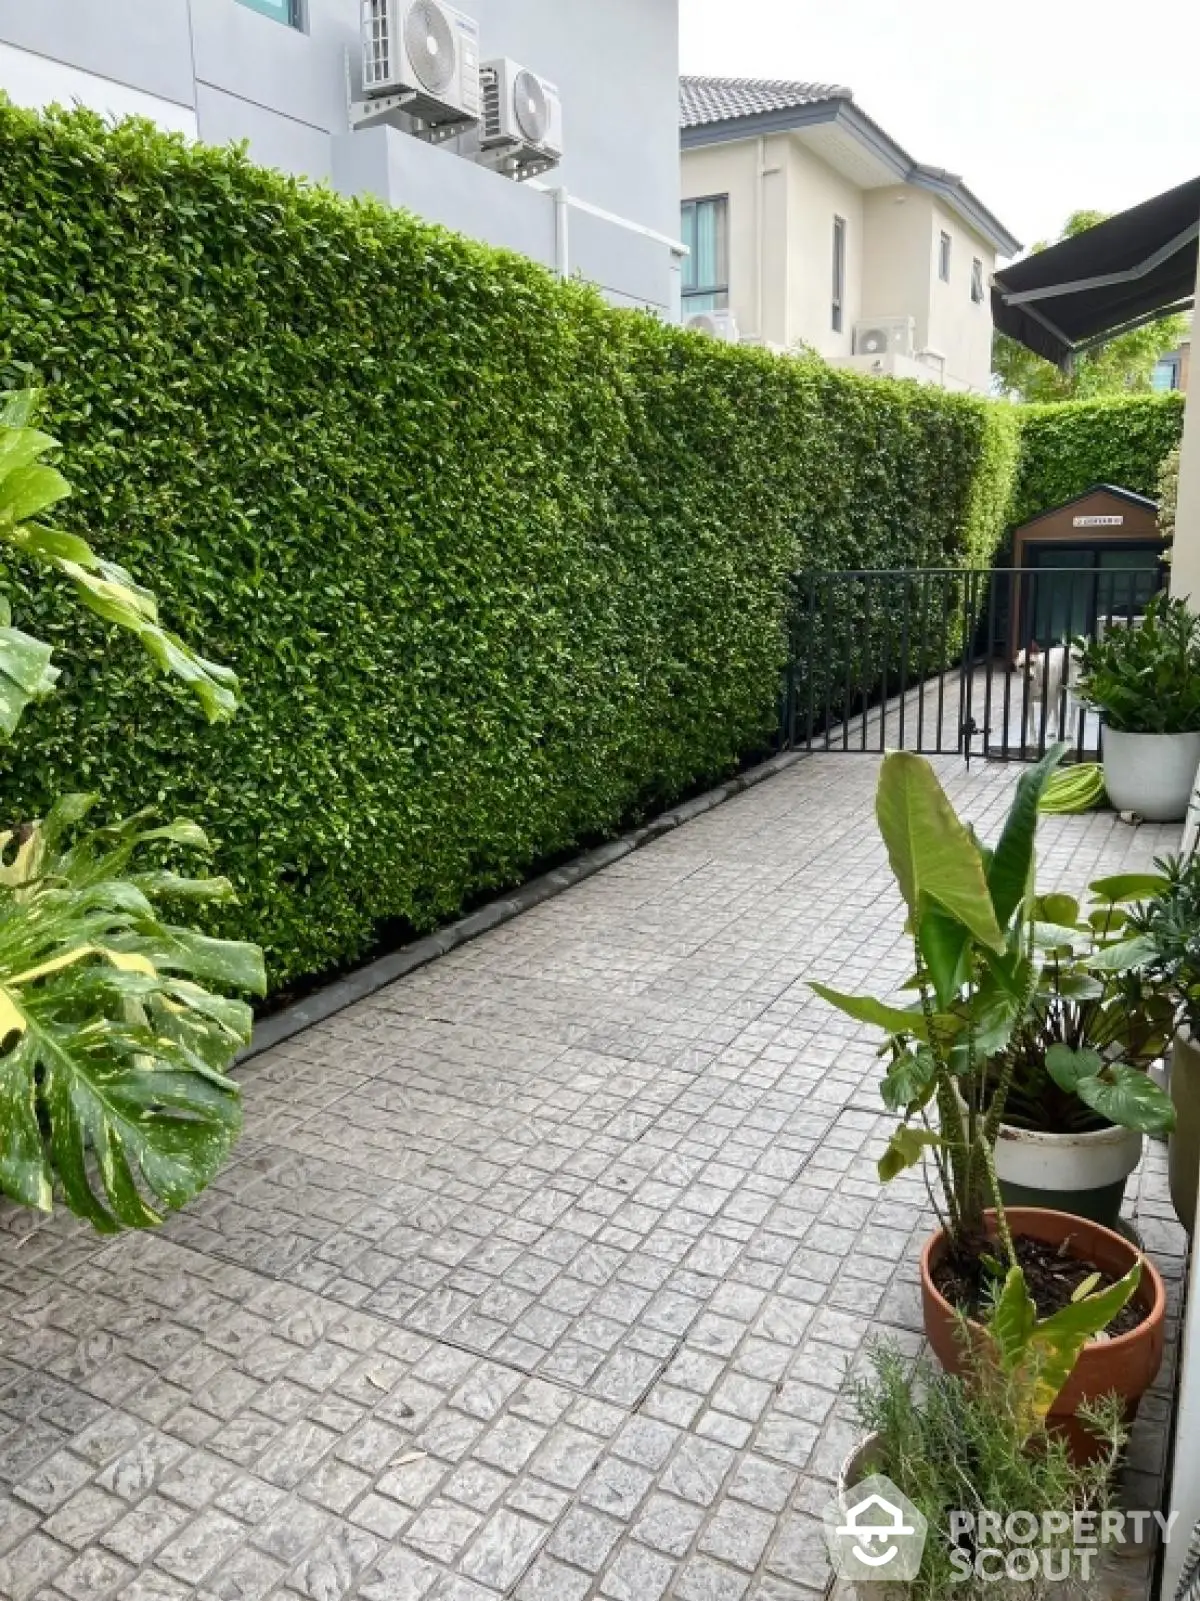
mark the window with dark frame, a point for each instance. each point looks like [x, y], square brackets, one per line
[839, 274]
[977, 281]
[285, 11]
[945, 246]
[705, 232]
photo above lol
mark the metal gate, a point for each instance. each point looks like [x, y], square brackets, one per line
[975, 662]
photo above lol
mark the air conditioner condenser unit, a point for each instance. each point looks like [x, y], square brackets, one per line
[885, 336]
[715, 324]
[421, 57]
[521, 126]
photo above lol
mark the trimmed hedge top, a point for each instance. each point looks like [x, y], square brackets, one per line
[1067, 448]
[498, 566]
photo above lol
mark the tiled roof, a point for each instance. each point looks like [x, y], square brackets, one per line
[705, 100]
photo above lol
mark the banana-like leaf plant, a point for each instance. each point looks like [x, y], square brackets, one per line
[1038, 1355]
[1026, 1006]
[116, 1028]
[975, 979]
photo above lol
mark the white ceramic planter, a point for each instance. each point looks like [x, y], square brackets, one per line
[859, 1465]
[1081, 1173]
[1151, 774]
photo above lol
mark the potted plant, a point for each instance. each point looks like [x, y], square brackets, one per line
[1144, 680]
[1170, 926]
[951, 1073]
[1081, 1098]
[955, 1447]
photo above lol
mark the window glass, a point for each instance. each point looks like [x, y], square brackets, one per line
[286, 11]
[839, 273]
[1165, 374]
[944, 248]
[977, 281]
[705, 231]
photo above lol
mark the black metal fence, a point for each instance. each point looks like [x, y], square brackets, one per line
[974, 662]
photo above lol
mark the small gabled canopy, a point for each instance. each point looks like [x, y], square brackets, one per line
[1142, 502]
[1123, 273]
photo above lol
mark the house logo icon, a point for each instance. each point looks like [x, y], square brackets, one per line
[874, 1532]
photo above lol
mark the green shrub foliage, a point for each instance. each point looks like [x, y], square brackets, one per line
[1065, 449]
[501, 566]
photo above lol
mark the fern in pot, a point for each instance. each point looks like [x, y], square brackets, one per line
[1144, 681]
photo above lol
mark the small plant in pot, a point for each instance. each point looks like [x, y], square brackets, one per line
[1169, 926]
[1144, 680]
[1080, 1097]
[951, 1073]
[960, 1449]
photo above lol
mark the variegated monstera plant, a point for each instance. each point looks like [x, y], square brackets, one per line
[114, 1049]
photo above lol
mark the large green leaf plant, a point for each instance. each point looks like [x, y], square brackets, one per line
[980, 949]
[117, 1028]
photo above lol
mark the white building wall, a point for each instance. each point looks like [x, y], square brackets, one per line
[222, 71]
[36, 82]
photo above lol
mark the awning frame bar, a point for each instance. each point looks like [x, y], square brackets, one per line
[1143, 321]
[1023, 297]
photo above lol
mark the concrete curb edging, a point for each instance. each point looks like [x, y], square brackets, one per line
[376, 975]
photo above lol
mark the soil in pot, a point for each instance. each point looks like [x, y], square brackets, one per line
[1052, 1277]
[1126, 1363]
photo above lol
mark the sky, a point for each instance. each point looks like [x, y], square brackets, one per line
[1044, 106]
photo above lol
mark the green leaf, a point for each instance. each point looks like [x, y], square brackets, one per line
[25, 675]
[1010, 877]
[1013, 1319]
[865, 1009]
[215, 961]
[1130, 1098]
[29, 491]
[163, 883]
[112, 1081]
[910, 1081]
[944, 945]
[1084, 1289]
[1069, 1068]
[937, 866]
[905, 1149]
[1082, 1320]
[19, 408]
[1042, 1355]
[1056, 908]
[1125, 957]
[1056, 937]
[1129, 887]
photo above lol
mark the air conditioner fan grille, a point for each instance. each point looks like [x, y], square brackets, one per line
[429, 41]
[531, 107]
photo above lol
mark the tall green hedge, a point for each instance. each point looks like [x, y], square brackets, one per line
[497, 564]
[1067, 448]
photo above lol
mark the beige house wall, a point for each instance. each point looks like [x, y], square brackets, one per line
[817, 194]
[960, 328]
[783, 199]
[897, 270]
[753, 174]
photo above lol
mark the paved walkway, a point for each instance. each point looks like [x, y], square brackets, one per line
[537, 1275]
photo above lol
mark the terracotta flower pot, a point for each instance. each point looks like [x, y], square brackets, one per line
[1127, 1365]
